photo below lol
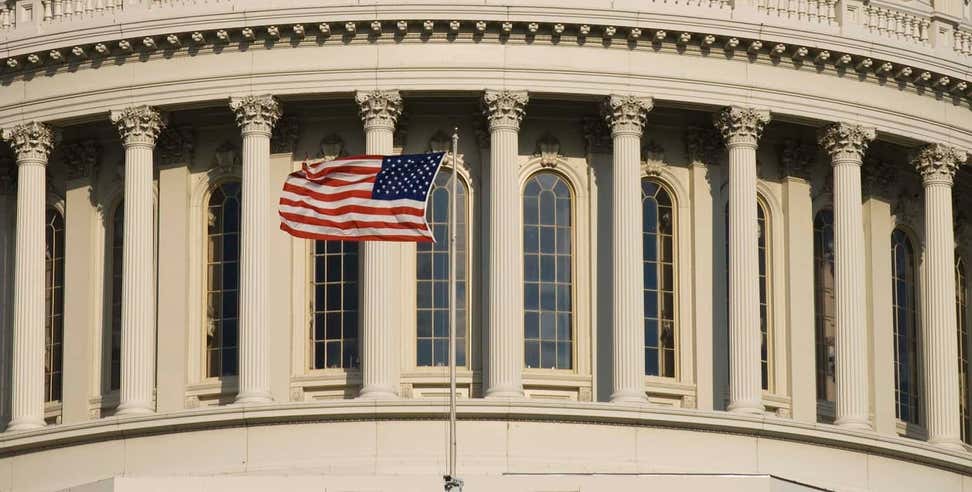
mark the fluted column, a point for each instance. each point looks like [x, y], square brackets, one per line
[504, 110]
[255, 116]
[379, 260]
[625, 116]
[32, 142]
[846, 145]
[937, 164]
[139, 128]
[741, 129]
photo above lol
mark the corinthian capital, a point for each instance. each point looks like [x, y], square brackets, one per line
[379, 108]
[937, 163]
[138, 125]
[843, 140]
[741, 126]
[626, 114]
[30, 141]
[256, 113]
[504, 109]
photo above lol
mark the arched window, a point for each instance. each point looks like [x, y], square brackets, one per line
[223, 280]
[54, 303]
[432, 262]
[824, 303]
[907, 386]
[659, 279]
[548, 282]
[766, 343]
[334, 333]
[961, 318]
[117, 238]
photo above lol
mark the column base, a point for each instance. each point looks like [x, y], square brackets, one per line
[505, 392]
[749, 407]
[26, 424]
[253, 398]
[950, 444]
[135, 408]
[375, 392]
[855, 423]
[629, 396]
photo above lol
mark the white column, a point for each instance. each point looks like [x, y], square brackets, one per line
[139, 128]
[937, 164]
[625, 116]
[846, 145]
[32, 142]
[504, 110]
[741, 129]
[255, 116]
[379, 261]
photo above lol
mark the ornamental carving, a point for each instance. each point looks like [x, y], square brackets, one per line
[283, 137]
[652, 151]
[175, 146]
[797, 159]
[332, 147]
[401, 133]
[8, 174]
[256, 113]
[30, 141]
[962, 228]
[703, 145]
[379, 108]
[138, 125]
[226, 158]
[843, 140]
[626, 114]
[441, 141]
[504, 109]
[597, 135]
[937, 163]
[80, 159]
[548, 150]
[876, 178]
[740, 125]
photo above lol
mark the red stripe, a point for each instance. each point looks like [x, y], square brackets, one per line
[362, 170]
[362, 209]
[353, 224]
[327, 197]
[299, 175]
[327, 237]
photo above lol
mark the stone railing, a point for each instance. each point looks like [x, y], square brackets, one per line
[808, 11]
[896, 24]
[8, 15]
[963, 42]
[62, 10]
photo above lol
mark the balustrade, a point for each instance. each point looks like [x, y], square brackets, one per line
[809, 11]
[963, 42]
[895, 24]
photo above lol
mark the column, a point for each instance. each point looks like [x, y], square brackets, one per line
[937, 165]
[379, 261]
[846, 145]
[255, 116]
[625, 116]
[32, 142]
[741, 129]
[504, 111]
[139, 128]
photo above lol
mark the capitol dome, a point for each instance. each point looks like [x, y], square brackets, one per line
[701, 245]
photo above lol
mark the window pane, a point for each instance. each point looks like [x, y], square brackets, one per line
[907, 383]
[54, 309]
[334, 312]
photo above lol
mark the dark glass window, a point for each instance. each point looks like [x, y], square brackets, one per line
[907, 387]
[334, 331]
[54, 305]
[659, 279]
[547, 264]
[223, 280]
[824, 303]
[961, 318]
[117, 243]
[432, 261]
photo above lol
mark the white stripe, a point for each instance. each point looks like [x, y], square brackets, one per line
[365, 231]
[324, 188]
[316, 168]
[351, 216]
[365, 202]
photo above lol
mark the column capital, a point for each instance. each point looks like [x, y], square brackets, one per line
[138, 125]
[379, 109]
[844, 141]
[937, 163]
[31, 141]
[504, 109]
[625, 115]
[741, 126]
[256, 113]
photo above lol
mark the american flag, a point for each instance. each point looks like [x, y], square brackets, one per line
[360, 198]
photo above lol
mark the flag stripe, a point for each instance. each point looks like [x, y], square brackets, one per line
[359, 233]
[351, 224]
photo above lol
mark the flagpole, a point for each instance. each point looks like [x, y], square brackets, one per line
[452, 482]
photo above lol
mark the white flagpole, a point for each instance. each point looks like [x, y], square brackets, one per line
[452, 482]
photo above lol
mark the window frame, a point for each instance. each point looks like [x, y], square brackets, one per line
[918, 384]
[817, 316]
[676, 272]
[57, 208]
[307, 340]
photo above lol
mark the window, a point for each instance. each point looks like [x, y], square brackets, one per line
[54, 304]
[907, 386]
[223, 280]
[961, 318]
[547, 255]
[659, 279]
[824, 303]
[765, 344]
[117, 238]
[334, 332]
[432, 261]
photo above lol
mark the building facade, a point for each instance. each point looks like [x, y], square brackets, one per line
[702, 245]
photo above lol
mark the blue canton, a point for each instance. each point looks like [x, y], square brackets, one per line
[406, 176]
